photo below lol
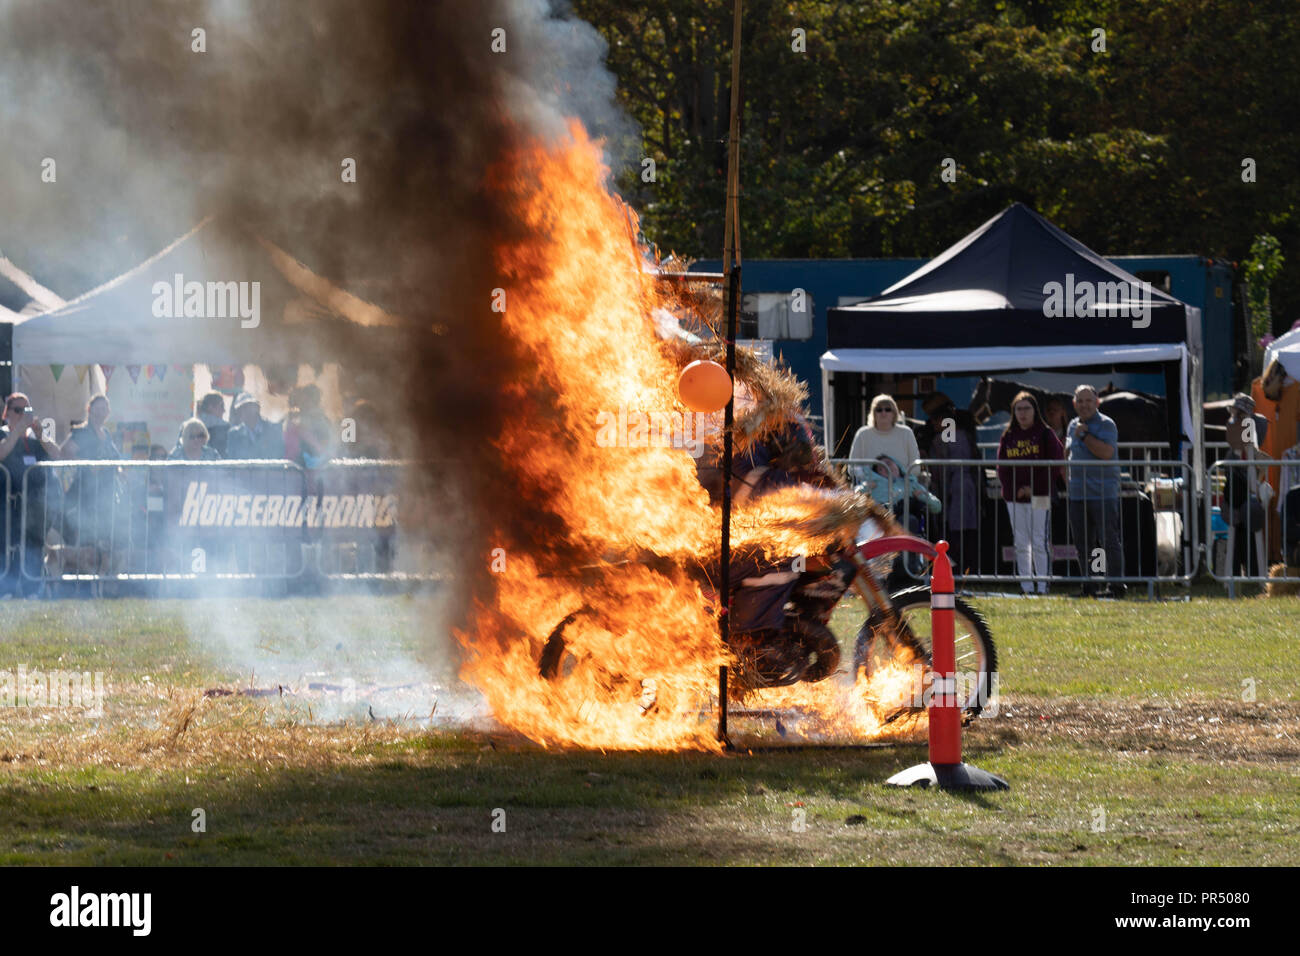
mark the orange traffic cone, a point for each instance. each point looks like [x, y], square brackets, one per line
[945, 768]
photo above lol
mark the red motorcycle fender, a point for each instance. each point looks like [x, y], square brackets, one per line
[897, 542]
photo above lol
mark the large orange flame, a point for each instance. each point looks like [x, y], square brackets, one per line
[642, 650]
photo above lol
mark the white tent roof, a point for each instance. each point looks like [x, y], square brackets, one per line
[1287, 351]
[936, 361]
[41, 298]
[116, 324]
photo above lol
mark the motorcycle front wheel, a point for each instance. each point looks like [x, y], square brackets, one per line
[878, 643]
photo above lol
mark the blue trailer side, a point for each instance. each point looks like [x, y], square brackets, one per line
[1208, 285]
[827, 282]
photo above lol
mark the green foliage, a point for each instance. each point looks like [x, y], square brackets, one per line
[1261, 269]
[1134, 149]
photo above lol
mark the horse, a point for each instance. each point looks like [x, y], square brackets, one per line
[993, 395]
[1138, 416]
[1110, 389]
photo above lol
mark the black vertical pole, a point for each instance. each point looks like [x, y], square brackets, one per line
[8, 371]
[731, 266]
[724, 619]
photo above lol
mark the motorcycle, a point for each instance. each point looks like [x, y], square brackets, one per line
[781, 634]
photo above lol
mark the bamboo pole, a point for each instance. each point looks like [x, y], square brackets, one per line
[731, 269]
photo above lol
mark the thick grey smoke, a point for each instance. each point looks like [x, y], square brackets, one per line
[149, 135]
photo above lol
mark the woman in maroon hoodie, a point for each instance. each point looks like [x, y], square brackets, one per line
[1027, 490]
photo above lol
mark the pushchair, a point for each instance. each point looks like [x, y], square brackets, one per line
[888, 485]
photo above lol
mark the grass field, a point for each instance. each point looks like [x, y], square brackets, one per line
[1127, 730]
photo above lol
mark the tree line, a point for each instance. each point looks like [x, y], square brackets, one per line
[1154, 128]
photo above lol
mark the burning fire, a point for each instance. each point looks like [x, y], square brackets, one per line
[642, 652]
[881, 705]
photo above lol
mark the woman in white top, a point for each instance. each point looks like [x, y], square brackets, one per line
[884, 434]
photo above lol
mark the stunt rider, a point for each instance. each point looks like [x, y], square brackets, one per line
[778, 607]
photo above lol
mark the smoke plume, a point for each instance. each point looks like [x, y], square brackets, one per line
[160, 113]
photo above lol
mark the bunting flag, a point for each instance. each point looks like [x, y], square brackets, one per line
[81, 372]
[57, 370]
[159, 370]
[182, 369]
[108, 373]
[134, 372]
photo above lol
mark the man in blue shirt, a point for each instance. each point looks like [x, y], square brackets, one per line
[1094, 491]
[254, 436]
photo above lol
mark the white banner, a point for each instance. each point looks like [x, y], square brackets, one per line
[158, 396]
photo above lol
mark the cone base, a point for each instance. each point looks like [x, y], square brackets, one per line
[950, 776]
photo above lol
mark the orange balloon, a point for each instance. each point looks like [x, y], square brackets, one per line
[704, 386]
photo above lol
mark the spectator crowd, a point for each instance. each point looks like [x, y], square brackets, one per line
[85, 505]
[1030, 446]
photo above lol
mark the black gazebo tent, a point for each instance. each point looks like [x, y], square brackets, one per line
[1018, 293]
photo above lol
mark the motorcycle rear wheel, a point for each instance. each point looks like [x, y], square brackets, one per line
[805, 650]
[561, 660]
[976, 654]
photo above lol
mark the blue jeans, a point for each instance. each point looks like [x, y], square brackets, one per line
[1094, 523]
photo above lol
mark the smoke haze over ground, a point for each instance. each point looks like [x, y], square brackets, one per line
[149, 136]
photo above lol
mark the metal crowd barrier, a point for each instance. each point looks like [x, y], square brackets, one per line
[163, 520]
[1157, 540]
[1236, 542]
[9, 505]
[1128, 450]
[1241, 519]
[1148, 531]
[93, 521]
[174, 521]
[383, 553]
